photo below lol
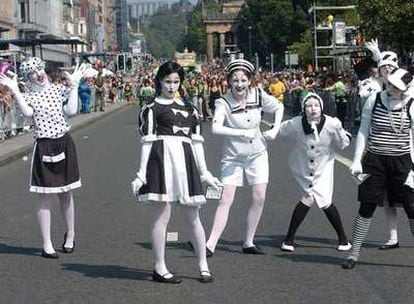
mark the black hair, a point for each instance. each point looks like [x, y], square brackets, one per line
[166, 69]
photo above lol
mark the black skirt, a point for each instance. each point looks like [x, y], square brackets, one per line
[54, 166]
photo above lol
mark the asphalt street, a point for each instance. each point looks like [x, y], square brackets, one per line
[112, 262]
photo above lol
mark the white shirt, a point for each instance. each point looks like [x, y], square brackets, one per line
[48, 115]
[230, 114]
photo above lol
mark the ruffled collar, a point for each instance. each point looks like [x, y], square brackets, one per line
[168, 101]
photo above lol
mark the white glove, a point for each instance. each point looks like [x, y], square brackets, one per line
[11, 83]
[250, 133]
[356, 167]
[373, 47]
[136, 184]
[77, 75]
[270, 134]
[211, 180]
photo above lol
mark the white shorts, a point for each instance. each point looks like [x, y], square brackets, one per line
[256, 167]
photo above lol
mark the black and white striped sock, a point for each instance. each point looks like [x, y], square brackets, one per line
[360, 230]
[411, 221]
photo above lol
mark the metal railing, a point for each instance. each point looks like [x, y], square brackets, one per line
[353, 107]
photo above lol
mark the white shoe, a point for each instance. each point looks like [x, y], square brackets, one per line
[285, 247]
[344, 247]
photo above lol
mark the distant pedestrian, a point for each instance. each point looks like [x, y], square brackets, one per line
[54, 167]
[85, 96]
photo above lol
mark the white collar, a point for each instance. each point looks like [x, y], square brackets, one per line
[168, 101]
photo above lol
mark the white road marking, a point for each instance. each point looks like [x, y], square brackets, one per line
[172, 236]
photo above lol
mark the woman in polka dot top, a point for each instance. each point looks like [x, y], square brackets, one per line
[54, 167]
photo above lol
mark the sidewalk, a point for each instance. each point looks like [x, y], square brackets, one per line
[14, 148]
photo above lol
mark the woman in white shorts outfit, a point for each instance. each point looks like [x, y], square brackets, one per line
[237, 116]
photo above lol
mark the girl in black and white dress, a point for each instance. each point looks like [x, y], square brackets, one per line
[54, 168]
[172, 167]
[383, 150]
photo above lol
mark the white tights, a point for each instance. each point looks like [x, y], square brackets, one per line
[223, 209]
[44, 218]
[162, 215]
[391, 219]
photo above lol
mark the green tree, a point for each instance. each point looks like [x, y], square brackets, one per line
[392, 21]
[275, 24]
[164, 31]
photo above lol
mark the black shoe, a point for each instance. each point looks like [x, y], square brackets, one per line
[162, 279]
[67, 249]
[50, 255]
[387, 247]
[349, 264]
[209, 253]
[252, 250]
[206, 276]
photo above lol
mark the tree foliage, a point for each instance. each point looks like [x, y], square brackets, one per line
[274, 25]
[392, 21]
[165, 31]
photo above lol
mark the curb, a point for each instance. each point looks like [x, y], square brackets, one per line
[28, 146]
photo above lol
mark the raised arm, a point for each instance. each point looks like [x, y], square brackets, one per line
[11, 83]
[71, 107]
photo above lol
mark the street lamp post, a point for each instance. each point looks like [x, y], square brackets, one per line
[250, 41]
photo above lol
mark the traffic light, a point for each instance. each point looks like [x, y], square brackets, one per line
[129, 63]
[121, 62]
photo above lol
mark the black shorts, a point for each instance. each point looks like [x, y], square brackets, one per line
[387, 176]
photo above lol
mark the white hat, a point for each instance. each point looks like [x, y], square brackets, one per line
[388, 58]
[311, 95]
[30, 65]
[401, 79]
[240, 64]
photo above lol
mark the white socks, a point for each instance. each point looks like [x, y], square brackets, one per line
[67, 208]
[44, 221]
[391, 218]
[221, 216]
[254, 214]
[44, 218]
[199, 237]
[162, 214]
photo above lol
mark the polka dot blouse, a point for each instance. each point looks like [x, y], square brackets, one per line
[48, 116]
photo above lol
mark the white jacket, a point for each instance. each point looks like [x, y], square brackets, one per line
[311, 160]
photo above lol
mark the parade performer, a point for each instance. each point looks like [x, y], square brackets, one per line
[316, 137]
[172, 167]
[237, 117]
[383, 151]
[387, 61]
[54, 168]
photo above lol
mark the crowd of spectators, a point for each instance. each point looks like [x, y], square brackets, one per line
[202, 86]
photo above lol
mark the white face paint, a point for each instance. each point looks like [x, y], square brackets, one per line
[313, 109]
[393, 92]
[385, 71]
[38, 79]
[170, 85]
[239, 84]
